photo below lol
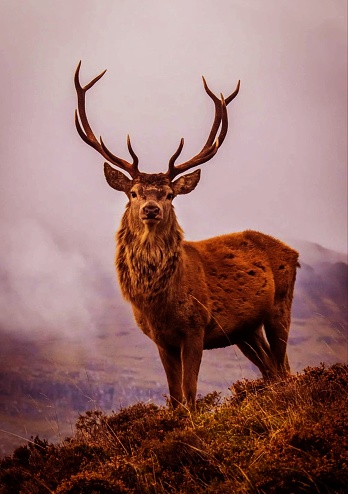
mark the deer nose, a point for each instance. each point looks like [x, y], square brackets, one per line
[151, 210]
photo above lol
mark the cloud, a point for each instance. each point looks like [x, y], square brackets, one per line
[44, 287]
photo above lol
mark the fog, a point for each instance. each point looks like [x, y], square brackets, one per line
[281, 169]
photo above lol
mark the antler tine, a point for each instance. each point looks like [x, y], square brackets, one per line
[132, 153]
[200, 158]
[85, 131]
[217, 118]
[220, 107]
[172, 160]
[224, 121]
[213, 143]
[233, 95]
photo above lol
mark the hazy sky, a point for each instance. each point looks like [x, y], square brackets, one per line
[282, 167]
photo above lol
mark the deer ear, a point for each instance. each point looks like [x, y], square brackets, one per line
[116, 179]
[186, 183]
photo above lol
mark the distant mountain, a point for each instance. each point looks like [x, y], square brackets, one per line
[312, 253]
[47, 377]
[322, 289]
[321, 282]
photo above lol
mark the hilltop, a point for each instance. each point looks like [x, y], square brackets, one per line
[287, 436]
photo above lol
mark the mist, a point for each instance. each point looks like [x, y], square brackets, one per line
[281, 169]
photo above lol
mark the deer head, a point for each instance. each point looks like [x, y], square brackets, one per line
[151, 194]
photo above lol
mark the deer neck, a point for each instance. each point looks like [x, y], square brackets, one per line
[148, 259]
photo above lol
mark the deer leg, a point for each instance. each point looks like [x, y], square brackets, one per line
[277, 332]
[171, 360]
[191, 354]
[255, 347]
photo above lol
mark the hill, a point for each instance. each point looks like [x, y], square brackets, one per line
[287, 436]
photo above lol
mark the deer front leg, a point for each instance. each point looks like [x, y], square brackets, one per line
[171, 361]
[191, 355]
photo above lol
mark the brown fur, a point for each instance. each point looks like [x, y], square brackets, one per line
[191, 296]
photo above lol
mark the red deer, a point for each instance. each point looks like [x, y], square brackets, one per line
[234, 289]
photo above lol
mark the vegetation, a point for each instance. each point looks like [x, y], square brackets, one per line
[282, 437]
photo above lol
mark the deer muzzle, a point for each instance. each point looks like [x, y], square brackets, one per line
[151, 212]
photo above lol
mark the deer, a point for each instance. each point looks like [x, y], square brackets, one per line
[190, 296]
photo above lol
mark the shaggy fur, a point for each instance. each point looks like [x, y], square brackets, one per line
[191, 296]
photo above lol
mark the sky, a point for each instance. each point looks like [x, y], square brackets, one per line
[282, 168]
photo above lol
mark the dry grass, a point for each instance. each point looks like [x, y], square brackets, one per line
[280, 437]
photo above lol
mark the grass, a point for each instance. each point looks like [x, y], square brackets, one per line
[285, 437]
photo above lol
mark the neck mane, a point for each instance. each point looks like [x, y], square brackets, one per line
[147, 258]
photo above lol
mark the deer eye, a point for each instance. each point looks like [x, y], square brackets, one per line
[133, 194]
[170, 196]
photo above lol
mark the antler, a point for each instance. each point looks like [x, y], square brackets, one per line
[213, 143]
[87, 134]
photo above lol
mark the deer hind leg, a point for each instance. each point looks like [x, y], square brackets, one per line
[171, 360]
[277, 332]
[255, 347]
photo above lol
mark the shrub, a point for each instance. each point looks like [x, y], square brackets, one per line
[286, 436]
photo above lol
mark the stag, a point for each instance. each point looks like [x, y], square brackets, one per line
[233, 289]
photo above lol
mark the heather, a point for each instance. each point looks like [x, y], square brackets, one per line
[286, 436]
